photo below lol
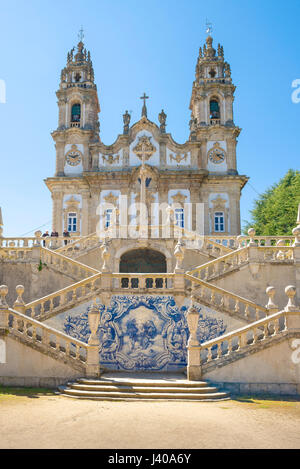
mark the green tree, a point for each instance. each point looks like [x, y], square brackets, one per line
[275, 211]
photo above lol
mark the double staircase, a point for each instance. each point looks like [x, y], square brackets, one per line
[261, 330]
[118, 386]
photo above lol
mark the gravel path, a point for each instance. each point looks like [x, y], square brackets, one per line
[51, 421]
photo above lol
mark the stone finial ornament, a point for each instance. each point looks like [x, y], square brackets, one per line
[271, 306]
[179, 255]
[296, 233]
[251, 233]
[290, 291]
[3, 293]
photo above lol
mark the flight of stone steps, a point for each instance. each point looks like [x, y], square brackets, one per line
[114, 388]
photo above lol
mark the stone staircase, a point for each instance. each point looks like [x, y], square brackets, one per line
[119, 387]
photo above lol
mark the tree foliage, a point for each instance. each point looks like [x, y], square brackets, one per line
[275, 211]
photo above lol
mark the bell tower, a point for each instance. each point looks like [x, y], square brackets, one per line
[78, 124]
[212, 102]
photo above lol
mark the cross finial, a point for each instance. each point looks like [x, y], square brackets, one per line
[209, 27]
[144, 110]
[81, 34]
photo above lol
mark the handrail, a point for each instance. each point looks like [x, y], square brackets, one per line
[27, 328]
[226, 345]
[224, 300]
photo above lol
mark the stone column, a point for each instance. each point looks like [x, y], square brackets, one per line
[85, 213]
[194, 359]
[60, 158]
[231, 156]
[57, 211]
[92, 360]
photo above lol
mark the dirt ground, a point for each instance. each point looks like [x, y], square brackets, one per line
[50, 421]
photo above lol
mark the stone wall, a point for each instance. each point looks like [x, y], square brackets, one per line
[37, 283]
[25, 366]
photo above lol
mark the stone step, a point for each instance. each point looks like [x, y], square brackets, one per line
[143, 382]
[70, 392]
[142, 389]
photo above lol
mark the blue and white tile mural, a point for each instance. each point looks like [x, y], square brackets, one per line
[143, 332]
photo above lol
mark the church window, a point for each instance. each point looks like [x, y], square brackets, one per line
[179, 217]
[212, 73]
[219, 222]
[72, 222]
[214, 109]
[76, 112]
[108, 217]
[77, 77]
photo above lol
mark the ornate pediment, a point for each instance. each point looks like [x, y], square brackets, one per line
[179, 198]
[144, 149]
[219, 203]
[111, 199]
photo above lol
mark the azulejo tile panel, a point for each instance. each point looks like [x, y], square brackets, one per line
[143, 332]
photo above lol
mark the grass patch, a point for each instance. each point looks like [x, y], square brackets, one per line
[25, 392]
[267, 401]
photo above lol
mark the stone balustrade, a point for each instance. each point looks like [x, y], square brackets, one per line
[65, 264]
[80, 245]
[221, 265]
[223, 300]
[17, 242]
[124, 281]
[16, 254]
[64, 299]
[247, 336]
[54, 342]
[80, 355]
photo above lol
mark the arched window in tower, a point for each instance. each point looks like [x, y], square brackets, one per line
[76, 113]
[214, 109]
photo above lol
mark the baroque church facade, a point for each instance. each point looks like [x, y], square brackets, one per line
[155, 276]
[203, 170]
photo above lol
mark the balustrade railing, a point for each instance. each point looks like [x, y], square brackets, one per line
[142, 281]
[221, 265]
[223, 300]
[53, 341]
[235, 341]
[64, 299]
[65, 264]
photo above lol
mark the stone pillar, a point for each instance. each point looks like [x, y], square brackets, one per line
[3, 308]
[60, 158]
[194, 359]
[92, 360]
[57, 212]
[85, 213]
[231, 156]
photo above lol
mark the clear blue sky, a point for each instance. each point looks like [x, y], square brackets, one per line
[143, 46]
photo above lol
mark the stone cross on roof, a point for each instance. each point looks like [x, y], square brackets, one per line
[144, 110]
[81, 34]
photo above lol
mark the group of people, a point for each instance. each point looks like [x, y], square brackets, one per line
[54, 234]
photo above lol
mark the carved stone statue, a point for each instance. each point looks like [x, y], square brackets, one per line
[162, 117]
[126, 120]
